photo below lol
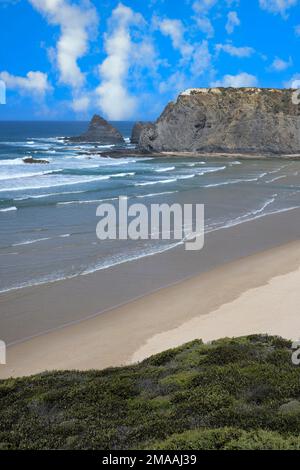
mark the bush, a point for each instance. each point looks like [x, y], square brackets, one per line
[241, 393]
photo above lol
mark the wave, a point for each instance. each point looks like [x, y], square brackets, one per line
[225, 183]
[12, 161]
[197, 163]
[150, 183]
[30, 242]
[156, 194]
[251, 216]
[204, 171]
[41, 196]
[90, 201]
[161, 170]
[276, 179]
[4, 177]
[9, 209]
[64, 182]
[186, 177]
[121, 175]
[115, 261]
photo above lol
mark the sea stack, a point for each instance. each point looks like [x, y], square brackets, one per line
[101, 132]
[230, 120]
[137, 130]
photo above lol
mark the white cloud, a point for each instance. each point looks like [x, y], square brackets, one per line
[294, 82]
[77, 23]
[236, 81]
[195, 57]
[277, 6]
[297, 30]
[205, 25]
[35, 83]
[280, 65]
[175, 82]
[202, 9]
[175, 30]
[232, 21]
[81, 104]
[201, 62]
[235, 51]
[113, 96]
[203, 6]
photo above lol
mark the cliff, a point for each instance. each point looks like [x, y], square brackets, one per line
[99, 131]
[137, 130]
[231, 120]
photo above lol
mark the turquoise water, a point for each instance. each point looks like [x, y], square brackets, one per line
[48, 211]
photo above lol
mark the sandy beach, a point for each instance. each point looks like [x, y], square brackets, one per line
[255, 294]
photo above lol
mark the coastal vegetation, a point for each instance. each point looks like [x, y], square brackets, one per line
[239, 393]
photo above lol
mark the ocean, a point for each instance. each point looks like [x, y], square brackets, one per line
[48, 211]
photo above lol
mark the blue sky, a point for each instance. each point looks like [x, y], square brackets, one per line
[66, 59]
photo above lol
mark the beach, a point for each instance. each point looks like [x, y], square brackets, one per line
[71, 301]
[254, 293]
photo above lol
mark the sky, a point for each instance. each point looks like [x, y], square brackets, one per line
[69, 59]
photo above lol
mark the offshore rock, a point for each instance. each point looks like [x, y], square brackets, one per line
[99, 131]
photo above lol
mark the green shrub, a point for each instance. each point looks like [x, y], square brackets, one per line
[230, 394]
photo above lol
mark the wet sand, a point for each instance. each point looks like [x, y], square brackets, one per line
[29, 312]
[231, 292]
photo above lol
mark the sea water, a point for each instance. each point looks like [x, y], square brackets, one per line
[48, 211]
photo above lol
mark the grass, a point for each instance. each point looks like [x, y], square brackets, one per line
[239, 393]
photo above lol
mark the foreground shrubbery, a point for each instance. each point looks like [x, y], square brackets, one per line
[231, 394]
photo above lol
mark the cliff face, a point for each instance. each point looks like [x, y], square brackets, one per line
[137, 130]
[100, 131]
[243, 120]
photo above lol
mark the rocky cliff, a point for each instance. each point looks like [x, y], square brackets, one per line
[231, 120]
[137, 130]
[100, 131]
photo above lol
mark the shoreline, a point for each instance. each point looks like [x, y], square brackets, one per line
[120, 153]
[194, 308]
[33, 311]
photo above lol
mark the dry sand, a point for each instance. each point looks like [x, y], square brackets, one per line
[256, 294]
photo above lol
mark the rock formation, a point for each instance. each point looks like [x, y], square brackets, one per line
[137, 130]
[229, 120]
[99, 131]
[35, 160]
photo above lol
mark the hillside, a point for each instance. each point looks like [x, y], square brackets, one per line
[230, 120]
[232, 394]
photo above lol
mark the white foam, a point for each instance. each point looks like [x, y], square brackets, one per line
[150, 183]
[9, 176]
[90, 201]
[156, 194]
[161, 170]
[54, 181]
[8, 209]
[13, 161]
[225, 183]
[121, 175]
[186, 177]
[41, 196]
[30, 242]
